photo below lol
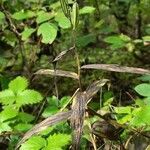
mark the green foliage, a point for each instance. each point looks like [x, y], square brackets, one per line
[48, 32]
[34, 143]
[27, 33]
[54, 105]
[143, 89]
[34, 32]
[17, 95]
[58, 141]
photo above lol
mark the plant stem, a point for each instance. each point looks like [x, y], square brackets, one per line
[76, 56]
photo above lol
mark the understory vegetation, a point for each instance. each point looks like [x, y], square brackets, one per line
[75, 75]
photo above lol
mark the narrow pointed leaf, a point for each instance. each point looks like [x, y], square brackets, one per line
[45, 124]
[61, 73]
[116, 68]
[95, 87]
[77, 118]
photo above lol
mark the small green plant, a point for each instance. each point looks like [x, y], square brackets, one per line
[136, 115]
[14, 120]
[12, 100]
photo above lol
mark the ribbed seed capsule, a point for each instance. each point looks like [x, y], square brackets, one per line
[75, 15]
[65, 7]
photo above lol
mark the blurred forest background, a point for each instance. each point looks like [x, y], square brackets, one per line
[37, 34]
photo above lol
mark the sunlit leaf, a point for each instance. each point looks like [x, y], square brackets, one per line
[48, 32]
[143, 89]
[58, 141]
[29, 97]
[87, 10]
[27, 33]
[8, 113]
[34, 143]
[18, 84]
[44, 16]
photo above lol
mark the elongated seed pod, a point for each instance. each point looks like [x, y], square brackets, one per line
[65, 7]
[75, 15]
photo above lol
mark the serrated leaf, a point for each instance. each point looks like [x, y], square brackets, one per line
[18, 84]
[63, 21]
[23, 15]
[45, 124]
[29, 97]
[7, 97]
[143, 89]
[8, 113]
[22, 127]
[4, 127]
[44, 16]
[34, 143]
[58, 141]
[48, 32]
[27, 33]
[87, 10]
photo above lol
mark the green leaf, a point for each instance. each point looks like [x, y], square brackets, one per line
[23, 15]
[48, 32]
[4, 127]
[145, 78]
[49, 111]
[123, 110]
[143, 89]
[25, 117]
[29, 97]
[23, 127]
[34, 143]
[124, 119]
[27, 33]
[115, 41]
[7, 97]
[63, 21]
[142, 118]
[8, 113]
[44, 16]
[85, 40]
[64, 100]
[87, 10]
[58, 141]
[2, 17]
[53, 101]
[18, 85]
